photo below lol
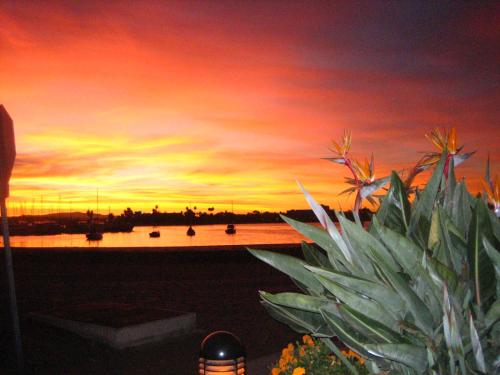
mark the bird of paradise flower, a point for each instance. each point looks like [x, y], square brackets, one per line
[363, 181]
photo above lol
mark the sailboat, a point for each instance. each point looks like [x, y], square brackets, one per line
[155, 233]
[231, 229]
[93, 234]
[190, 232]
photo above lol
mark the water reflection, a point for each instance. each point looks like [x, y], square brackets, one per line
[206, 235]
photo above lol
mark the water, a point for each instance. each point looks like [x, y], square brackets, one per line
[206, 235]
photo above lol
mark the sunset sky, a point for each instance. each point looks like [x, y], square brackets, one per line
[209, 102]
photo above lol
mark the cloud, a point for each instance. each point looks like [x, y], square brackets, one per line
[196, 100]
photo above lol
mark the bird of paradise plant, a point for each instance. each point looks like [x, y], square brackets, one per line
[417, 290]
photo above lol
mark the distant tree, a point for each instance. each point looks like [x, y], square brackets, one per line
[128, 213]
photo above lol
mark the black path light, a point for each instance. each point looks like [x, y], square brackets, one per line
[7, 156]
[222, 354]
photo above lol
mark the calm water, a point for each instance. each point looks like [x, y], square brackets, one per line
[206, 235]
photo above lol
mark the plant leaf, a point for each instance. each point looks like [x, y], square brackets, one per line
[314, 256]
[481, 266]
[409, 355]
[361, 241]
[322, 239]
[293, 267]
[476, 346]
[420, 220]
[357, 302]
[417, 307]
[378, 292]
[494, 256]
[299, 320]
[368, 190]
[327, 224]
[295, 300]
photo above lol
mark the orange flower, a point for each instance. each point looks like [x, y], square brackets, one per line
[352, 354]
[364, 170]
[283, 363]
[275, 371]
[308, 340]
[446, 141]
[493, 191]
[302, 351]
[299, 371]
[343, 149]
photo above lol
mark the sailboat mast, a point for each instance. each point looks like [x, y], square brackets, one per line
[97, 200]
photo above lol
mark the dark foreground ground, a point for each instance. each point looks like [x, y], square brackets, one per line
[220, 286]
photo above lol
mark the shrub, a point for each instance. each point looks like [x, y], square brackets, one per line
[414, 291]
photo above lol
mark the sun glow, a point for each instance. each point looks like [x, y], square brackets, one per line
[181, 103]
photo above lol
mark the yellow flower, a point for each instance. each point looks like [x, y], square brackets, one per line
[343, 149]
[446, 141]
[299, 371]
[308, 340]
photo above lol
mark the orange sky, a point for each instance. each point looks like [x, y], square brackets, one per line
[172, 103]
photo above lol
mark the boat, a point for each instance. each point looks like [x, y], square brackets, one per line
[154, 234]
[94, 236]
[230, 229]
[190, 231]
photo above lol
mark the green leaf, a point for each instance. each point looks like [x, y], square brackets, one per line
[406, 252]
[451, 329]
[481, 266]
[296, 301]
[494, 256]
[409, 355]
[370, 327]
[327, 224]
[395, 210]
[476, 346]
[493, 314]
[348, 335]
[420, 220]
[299, 320]
[376, 291]
[314, 255]
[357, 302]
[461, 212]
[419, 310]
[361, 241]
[400, 197]
[322, 239]
[291, 266]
